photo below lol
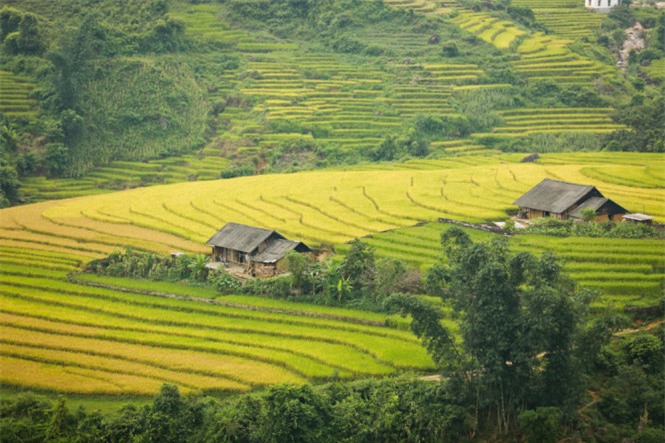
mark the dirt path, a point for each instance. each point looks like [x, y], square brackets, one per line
[595, 398]
[648, 327]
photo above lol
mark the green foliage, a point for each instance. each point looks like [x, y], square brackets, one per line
[645, 120]
[521, 320]
[645, 351]
[588, 214]
[223, 282]
[131, 263]
[56, 159]
[237, 171]
[20, 33]
[359, 268]
[542, 425]
[449, 49]
[297, 266]
[426, 324]
[275, 287]
[10, 18]
[588, 228]
[9, 183]
[400, 409]
[479, 106]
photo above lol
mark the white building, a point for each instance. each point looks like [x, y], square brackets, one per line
[601, 5]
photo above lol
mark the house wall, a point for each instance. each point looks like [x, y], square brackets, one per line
[601, 5]
[263, 270]
[228, 255]
[535, 213]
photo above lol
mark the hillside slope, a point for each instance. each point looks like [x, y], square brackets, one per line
[275, 86]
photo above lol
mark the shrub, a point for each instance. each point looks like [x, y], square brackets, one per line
[277, 287]
[541, 425]
[450, 49]
[237, 171]
[224, 282]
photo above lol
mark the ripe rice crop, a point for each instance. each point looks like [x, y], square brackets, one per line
[272, 341]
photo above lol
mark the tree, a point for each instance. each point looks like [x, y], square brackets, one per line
[197, 267]
[297, 264]
[9, 184]
[21, 38]
[521, 321]
[10, 19]
[390, 273]
[56, 159]
[358, 268]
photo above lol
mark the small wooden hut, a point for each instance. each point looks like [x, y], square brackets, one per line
[562, 200]
[259, 251]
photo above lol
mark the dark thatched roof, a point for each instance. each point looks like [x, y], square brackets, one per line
[596, 203]
[241, 238]
[278, 249]
[554, 196]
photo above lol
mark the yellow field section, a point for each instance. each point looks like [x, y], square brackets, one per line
[68, 337]
[62, 336]
[323, 207]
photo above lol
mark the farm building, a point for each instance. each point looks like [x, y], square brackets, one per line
[638, 218]
[561, 200]
[601, 5]
[259, 251]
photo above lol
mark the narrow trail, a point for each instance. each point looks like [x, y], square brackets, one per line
[648, 327]
[595, 398]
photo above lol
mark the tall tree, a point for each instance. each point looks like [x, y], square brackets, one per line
[521, 326]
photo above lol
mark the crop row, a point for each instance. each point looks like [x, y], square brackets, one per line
[417, 191]
[123, 175]
[104, 321]
[15, 96]
[570, 22]
[500, 33]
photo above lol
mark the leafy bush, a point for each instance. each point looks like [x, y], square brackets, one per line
[276, 287]
[566, 228]
[131, 263]
[237, 171]
[223, 282]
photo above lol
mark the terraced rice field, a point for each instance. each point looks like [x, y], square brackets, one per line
[343, 101]
[329, 207]
[626, 271]
[567, 18]
[15, 101]
[656, 69]
[123, 174]
[64, 336]
[545, 57]
[529, 121]
[421, 6]
[493, 30]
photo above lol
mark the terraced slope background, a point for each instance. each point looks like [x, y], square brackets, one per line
[296, 97]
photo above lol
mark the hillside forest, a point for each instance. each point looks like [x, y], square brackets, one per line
[393, 137]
